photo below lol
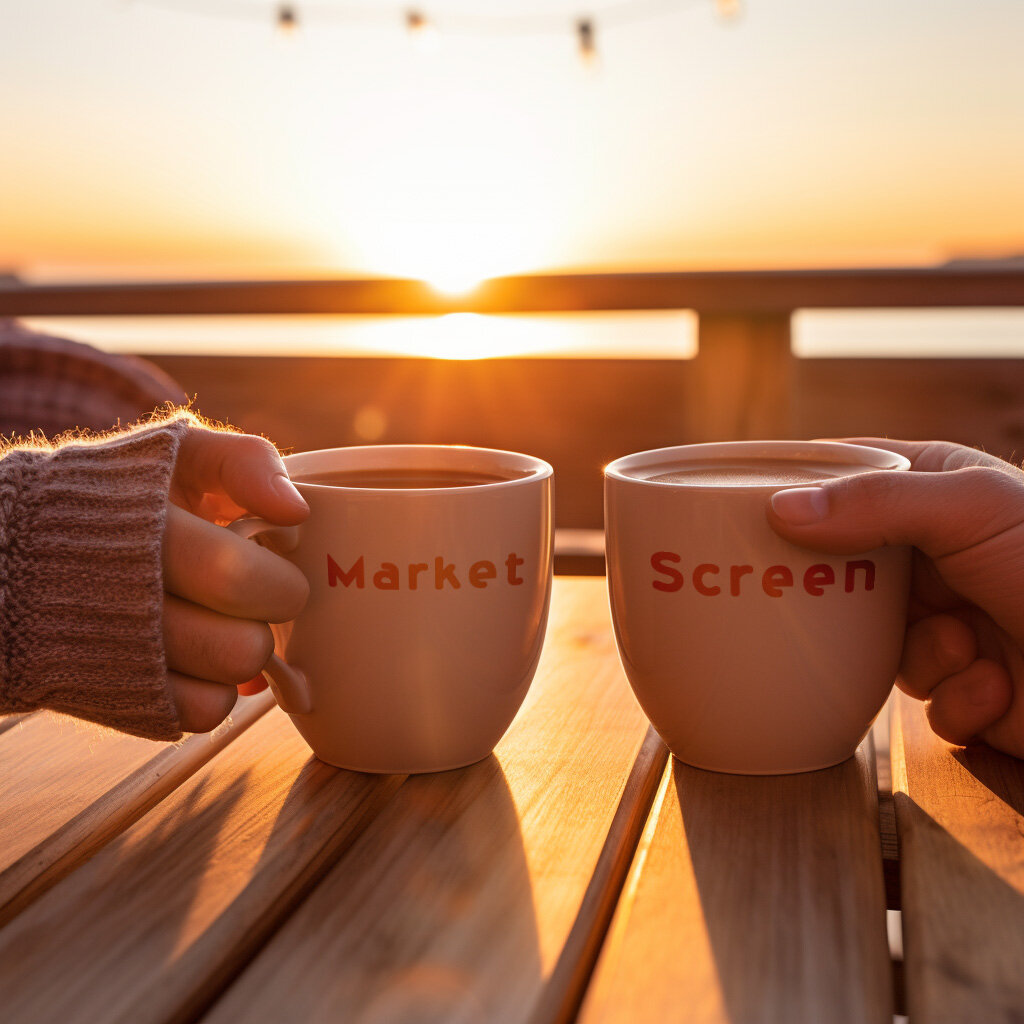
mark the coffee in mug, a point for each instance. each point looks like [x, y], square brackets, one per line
[749, 472]
[397, 479]
[749, 654]
[430, 577]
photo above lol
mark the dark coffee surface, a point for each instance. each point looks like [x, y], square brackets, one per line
[402, 478]
[749, 472]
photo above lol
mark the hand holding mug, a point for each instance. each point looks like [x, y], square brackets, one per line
[221, 592]
[963, 511]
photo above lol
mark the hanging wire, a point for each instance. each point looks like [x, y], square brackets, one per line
[236, 10]
[549, 23]
[461, 21]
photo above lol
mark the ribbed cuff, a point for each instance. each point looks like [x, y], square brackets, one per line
[81, 579]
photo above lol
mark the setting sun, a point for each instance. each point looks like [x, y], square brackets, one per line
[454, 282]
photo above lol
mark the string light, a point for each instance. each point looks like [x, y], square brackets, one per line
[586, 41]
[287, 19]
[423, 29]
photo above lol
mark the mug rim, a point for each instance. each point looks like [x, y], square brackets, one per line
[826, 451]
[467, 458]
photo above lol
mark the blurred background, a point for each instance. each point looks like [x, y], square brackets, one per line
[174, 139]
[460, 140]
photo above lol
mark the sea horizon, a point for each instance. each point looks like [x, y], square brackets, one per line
[832, 333]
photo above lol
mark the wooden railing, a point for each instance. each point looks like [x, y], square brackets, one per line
[729, 292]
[579, 413]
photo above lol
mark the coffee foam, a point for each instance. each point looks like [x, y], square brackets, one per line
[748, 472]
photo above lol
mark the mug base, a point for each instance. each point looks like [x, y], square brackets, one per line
[402, 769]
[763, 771]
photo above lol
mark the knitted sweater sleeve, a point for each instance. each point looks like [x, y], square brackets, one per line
[81, 580]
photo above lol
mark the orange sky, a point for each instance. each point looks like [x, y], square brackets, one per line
[151, 142]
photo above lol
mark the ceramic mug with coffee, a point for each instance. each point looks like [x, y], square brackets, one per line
[749, 654]
[430, 578]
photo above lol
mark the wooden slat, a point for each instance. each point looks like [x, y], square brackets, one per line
[752, 900]
[761, 291]
[565, 990]
[52, 768]
[960, 814]
[154, 925]
[67, 787]
[456, 905]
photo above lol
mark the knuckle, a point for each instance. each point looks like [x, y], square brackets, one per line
[253, 582]
[233, 574]
[874, 489]
[262, 444]
[989, 479]
[259, 447]
[952, 646]
[295, 593]
[995, 500]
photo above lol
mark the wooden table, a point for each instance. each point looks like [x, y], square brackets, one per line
[579, 873]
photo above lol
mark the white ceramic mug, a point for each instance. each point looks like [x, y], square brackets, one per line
[427, 606]
[748, 654]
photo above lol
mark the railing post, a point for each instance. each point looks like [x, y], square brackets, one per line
[742, 385]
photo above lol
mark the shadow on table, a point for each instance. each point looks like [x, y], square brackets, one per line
[999, 773]
[963, 906]
[119, 923]
[427, 916]
[460, 942]
[770, 860]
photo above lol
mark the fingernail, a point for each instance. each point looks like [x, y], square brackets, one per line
[800, 506]
[286, 489]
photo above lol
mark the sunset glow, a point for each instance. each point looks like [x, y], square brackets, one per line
[661, 334]
[460, 279]
[158, 143]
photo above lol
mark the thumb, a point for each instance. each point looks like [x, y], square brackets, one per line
[246, 469]
[940, 513]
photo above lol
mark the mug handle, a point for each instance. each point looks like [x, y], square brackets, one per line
[288, 684]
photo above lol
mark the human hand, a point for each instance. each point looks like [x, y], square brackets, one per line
[221, 591]
[963, 511]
